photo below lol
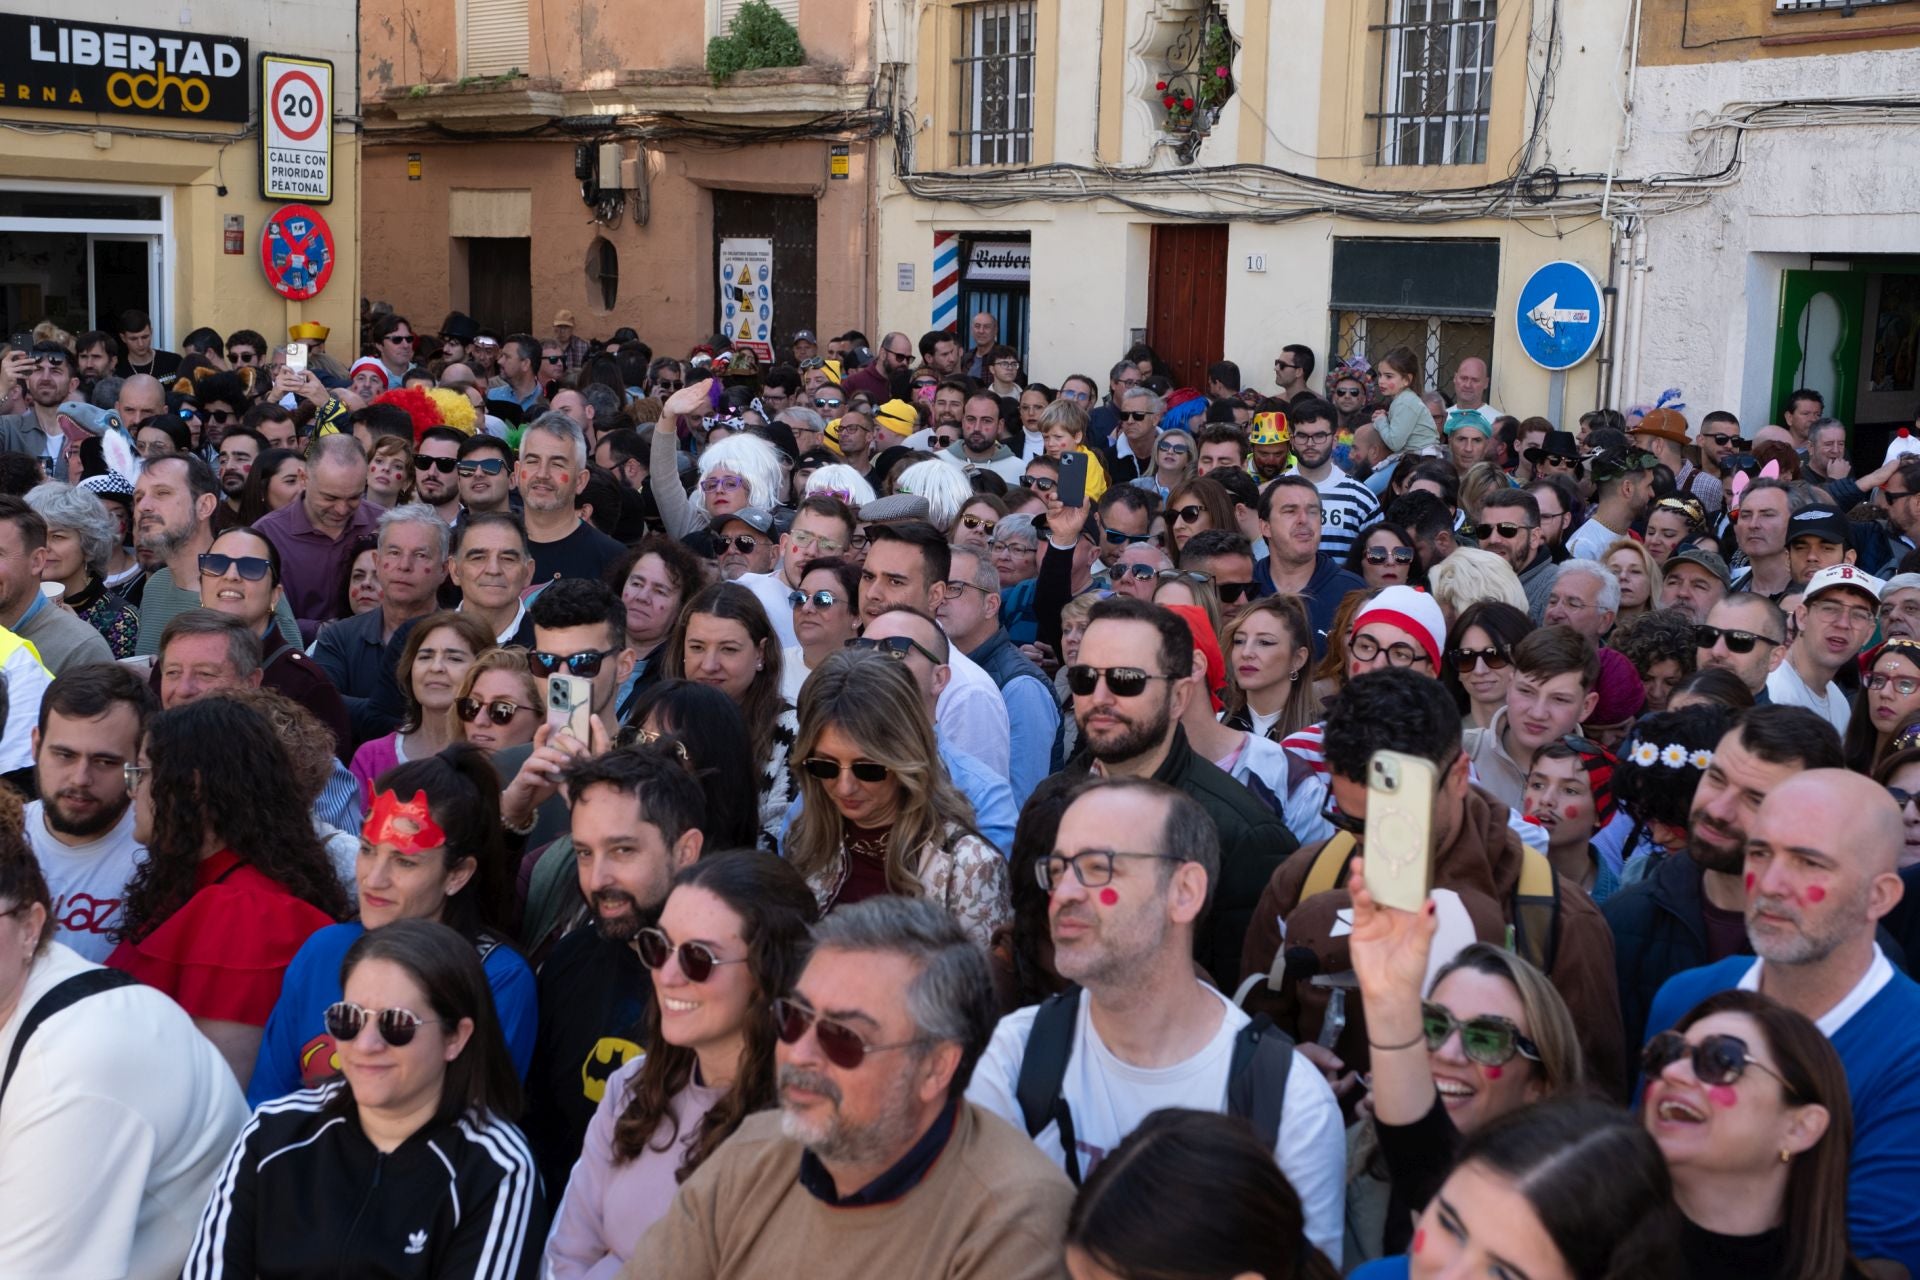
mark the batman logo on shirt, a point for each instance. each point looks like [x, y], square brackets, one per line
[607, 1056]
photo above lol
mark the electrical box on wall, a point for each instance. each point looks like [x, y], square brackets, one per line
[611, 155]
[583, 161]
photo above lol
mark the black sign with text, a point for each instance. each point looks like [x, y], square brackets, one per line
[55, 65]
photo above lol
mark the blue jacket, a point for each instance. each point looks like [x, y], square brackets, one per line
[294, 1031]
[1033, 716]
[1325, 590]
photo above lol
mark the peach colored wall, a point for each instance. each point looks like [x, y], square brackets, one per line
[666, 268]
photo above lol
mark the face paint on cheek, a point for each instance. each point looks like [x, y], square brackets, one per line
[1494, 1073]
[1573, 811]
[1815, 893]
[1749, 882]
[1723, 1095]
[1419, 1240]
[1109, 898]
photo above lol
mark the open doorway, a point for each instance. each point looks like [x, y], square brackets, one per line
[79, 256]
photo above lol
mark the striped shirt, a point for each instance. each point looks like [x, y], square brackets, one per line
[1347, 510]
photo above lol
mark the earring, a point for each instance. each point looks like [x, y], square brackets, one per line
[1293, 676]
[1786, 1157]
[759, 666]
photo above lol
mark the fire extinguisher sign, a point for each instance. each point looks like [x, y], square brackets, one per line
[296, 128]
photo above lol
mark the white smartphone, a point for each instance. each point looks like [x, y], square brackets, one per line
[296, 357]
[570, 706]
[1399, 847]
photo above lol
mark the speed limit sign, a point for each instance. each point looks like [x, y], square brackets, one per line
[296, 128]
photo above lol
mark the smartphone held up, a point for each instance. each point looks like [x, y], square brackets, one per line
[1399, 863]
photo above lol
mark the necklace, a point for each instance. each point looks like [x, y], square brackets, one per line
[874, 847]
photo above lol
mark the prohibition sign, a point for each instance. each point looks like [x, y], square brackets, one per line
[315, 99]
[297, 252]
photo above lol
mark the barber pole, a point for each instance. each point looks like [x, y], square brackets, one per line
[946, 280]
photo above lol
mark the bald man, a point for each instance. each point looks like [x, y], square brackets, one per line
[1470, 381]
[141, 398]
[1820, 874]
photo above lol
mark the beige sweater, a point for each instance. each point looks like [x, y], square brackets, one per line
[991, 1207]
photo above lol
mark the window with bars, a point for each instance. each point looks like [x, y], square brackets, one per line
[995, 73]
[1436, 81]
[1441, 341]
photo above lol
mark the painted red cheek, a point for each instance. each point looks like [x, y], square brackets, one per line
[1815, 893]
[1108, 898]
[1573, 811]
[1494, 1073]
[1419, 1240]
[1749, 882]
[1723, 1095]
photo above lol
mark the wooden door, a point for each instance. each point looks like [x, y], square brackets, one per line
[1187, 299]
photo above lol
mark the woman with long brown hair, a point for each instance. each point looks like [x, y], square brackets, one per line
[731, 938]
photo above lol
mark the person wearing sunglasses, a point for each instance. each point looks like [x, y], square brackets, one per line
[878, 813]
[1137, 572]
[1172, 465]
[498, 703]
[1749, 1104]
[428, 1100]
[1291, 521]
[1509, 526]
[1133, 447]
[1386, 556]
[430, 849]
[1479, 662]
[733, 932]
[1196, 505]
[825, 614]
[878, 1038]
[969, 612]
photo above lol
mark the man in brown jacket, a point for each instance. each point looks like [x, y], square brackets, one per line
[1476, 854]
[875, 1163]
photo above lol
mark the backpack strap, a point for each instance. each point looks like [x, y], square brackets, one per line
[1257, 1078]
[1536, 911]
[1043, 1070]
[60, 996]
[1327, 865]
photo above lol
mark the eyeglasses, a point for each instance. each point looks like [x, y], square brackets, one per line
[715, 484]
[480, 466]
[1189, 514]
[1720, 1059]
[251, 568]
[445, 466]
[1720, 438]
[1905, 686]
[827, 402]
[1705, 637]
[976, 523]
[1347, 392]
[1122, 682]
[1489, 1039]
[1138, 572]
[1233, 592]
[840, 1043]
[1193, 576]
[1091, 867]
[828, 770]
[132, 775]
[1366, 649]
[895, 647]
[1115, 538]
[1006, 364]
[585, 664]
[1380, 555]
[696, 958]
[1505, 528]
[1834, 611]
[1039, 484]
[745, 543]
[404, 338]
[822, 599]
[1135, 415]
[345, 1021]
[1902, 797]
[1175, 448]
[500, 710]
[1465, 660]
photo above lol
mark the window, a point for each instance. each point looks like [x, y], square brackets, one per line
[493, 37]
[1436, 297]
[603, 272]
[995, 69]
[1436, 81]
[720, 14]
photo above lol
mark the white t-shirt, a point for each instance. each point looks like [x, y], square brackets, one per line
[1110, 1098]
[118, 1118]
[972, 716]
[1591, 540]
[87, 880]
[772, 592]
[1785, 688]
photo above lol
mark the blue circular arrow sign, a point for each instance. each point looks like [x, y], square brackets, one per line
[1559, 315]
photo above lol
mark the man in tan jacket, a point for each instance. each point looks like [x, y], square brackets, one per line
[875, 1164]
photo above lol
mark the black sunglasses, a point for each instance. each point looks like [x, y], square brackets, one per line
[1134, 415]
[345, 1020]
[1039, 484]
[1124, 682]
[252, 568]
[1187, 514]
[1489, 1039]
[586, 664]
[1704, 637]
[840, 1043]
[1233, 592]
[1118, 539]
[745, 543]
[822, 599]
[445, 466]
[827, 770]
[1464, 660]
[500, 710]
[1506, 528]
[484, 466]
[696, 958]
[895, 647]
[1138, 572]
[1718, 1059]
[665, 385]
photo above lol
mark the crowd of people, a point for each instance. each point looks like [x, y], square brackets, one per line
[499, 806]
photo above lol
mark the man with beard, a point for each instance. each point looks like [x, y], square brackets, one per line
[876, 1163]
[435, 461]
[81, 828]
[239, 449]
[1510, 527]
[1135, 676]
[636, 819]
[1133, 867]
[551, 474]
[1347, 507]
[1690, 910]
[1819, 875]
[317, 535]
[979, 447]
[48, 374]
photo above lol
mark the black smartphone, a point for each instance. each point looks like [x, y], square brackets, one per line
[21, 341]
[1073, 479]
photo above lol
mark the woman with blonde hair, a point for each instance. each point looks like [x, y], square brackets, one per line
[878, 813]
[497, 704]
[1641, 579]
[1469, 576]
[1189, 587]
[1173, 462]
[1482, 478]
[1063, 430]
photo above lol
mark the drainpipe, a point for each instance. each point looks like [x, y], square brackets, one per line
[1630, 360]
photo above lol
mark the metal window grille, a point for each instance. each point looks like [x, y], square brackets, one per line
[995, 69]
[1441, 342]
[1436, 81]
[1804, 6]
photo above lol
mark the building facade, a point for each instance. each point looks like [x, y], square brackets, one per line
[523, 160]
[132, 175]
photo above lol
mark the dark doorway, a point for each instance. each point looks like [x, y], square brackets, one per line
[790, 222]
[1187, 299]
[500, 283]
[995, 274]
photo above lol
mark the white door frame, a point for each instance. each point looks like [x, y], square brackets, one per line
[155, 232]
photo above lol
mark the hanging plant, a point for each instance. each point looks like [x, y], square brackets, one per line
[1215, 71]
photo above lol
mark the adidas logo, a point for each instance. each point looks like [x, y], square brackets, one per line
[417, 1242]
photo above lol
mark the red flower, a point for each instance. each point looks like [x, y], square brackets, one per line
[1221, 72]
[1161, 86]
[1186, 104]
[1169, 100]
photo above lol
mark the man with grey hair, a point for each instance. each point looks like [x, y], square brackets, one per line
[410, 555]
[1585, 596]
[1131, 875]
[1900, 607]
[203, 651]
[315, 536]
[808, 427]
[878, 1040]
[552, 474]
[1140, 411]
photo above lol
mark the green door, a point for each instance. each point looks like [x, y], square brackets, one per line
[1818, 342]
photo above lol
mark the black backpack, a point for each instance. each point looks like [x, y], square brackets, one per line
[1256, 1077]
